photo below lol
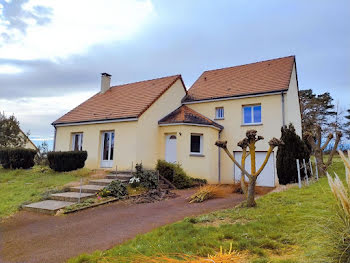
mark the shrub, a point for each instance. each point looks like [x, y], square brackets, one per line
[67, 161]
[293, 148]
[16, 158]
[148, 179]
[209, 192]
[117, 189]
[175, 174]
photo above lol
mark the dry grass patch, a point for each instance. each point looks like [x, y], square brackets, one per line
[210, 191]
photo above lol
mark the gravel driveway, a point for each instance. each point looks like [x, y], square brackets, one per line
[30, 237]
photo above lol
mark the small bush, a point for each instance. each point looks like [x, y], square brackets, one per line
[209, 192]
[67, 161]
[148, 179]
[15, 158]
[116, 189]
[294, 148]
[175, 174]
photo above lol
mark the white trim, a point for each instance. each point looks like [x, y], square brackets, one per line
[189, 124]
[252, 106]
[236, 97]
[200, 153]
[94, 122]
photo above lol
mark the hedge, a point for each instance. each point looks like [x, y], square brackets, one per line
[175, 174]
[15, 158]
[67, 161]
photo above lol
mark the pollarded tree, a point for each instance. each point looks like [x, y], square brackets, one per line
[10, 133]
[315, 141]
[249, 143]
[293, 148]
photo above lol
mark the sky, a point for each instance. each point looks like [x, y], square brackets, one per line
[52, 52]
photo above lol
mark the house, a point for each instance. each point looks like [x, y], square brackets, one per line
[159, 119]
[29, 144]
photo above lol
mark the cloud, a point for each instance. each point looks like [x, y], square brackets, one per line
[51, 29]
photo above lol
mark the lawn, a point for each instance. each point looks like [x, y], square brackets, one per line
[23, 186]
[285, 227]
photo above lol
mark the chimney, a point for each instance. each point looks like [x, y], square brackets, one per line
[105, 82]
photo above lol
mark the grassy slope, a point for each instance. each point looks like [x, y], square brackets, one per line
[285, 227]
[19, 186]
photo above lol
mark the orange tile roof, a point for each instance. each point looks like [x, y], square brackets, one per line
[260, 77]
[120, 102]
[185, 115]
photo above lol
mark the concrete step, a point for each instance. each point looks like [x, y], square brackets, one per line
[102, 181]
[47, 207]
[88, 188]
[71, 196]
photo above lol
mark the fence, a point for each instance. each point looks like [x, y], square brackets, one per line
[302, 165]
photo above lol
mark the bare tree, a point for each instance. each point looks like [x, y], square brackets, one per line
[249, 142]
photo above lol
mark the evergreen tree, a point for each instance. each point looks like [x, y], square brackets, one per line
[11, 134]
[294, 148]
[347, 124]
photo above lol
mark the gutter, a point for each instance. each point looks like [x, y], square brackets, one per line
[219, 159]
[54, 139]
[283, 111]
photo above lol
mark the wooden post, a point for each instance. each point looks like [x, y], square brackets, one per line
[305, 171]
[316, 168]
[312, 172]
[298, 169]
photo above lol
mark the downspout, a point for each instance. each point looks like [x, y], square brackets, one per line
[219, 159]
[283, 111]
[54, 139]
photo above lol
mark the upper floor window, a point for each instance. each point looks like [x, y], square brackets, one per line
[252, 114]
[197, 144]
[77, 141]
[219, 113]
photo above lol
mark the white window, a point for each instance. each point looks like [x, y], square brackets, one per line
[197, 144]
[219, 113]
[77, 141]
[252, 114]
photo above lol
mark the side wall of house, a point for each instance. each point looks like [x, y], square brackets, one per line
[203, 166]
[148, 136]
[124, 142]
[292, 106]
[234, 130]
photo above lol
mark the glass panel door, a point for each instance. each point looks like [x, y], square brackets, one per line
[107, 149]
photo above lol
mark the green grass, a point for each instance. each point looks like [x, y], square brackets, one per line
[24, 186]
[284, 227]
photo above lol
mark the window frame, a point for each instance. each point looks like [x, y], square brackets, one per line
[80, 142]
[200, 153]
[252, 114]
[217, 110]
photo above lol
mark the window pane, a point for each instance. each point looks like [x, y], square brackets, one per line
[76, 142]
[257, 114]
[112, 146]
[247, 114]
[81, 142]
[219, 113]
[105, 146]
[195, 143]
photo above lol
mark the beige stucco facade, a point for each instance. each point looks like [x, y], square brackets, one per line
[144, 140]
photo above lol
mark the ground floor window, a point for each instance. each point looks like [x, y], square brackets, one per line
[196, 143]
[77, 142]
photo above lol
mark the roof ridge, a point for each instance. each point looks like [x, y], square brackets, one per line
[146, 80]
[252, 63]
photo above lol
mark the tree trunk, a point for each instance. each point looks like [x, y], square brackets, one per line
[320, 165]
[251, 192]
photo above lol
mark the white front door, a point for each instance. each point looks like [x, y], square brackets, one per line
[267, 176]
[170, 148]
[107, 149]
